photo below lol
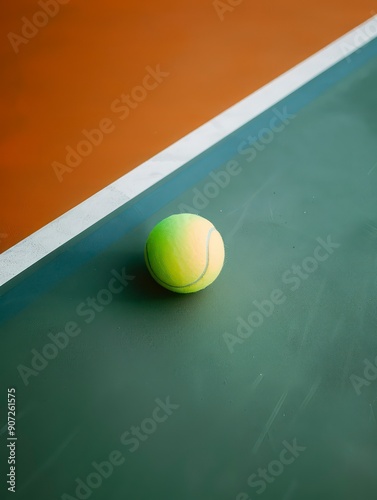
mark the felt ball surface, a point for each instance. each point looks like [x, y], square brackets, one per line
[184, 253]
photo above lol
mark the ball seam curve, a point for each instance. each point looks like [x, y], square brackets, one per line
[194, 282]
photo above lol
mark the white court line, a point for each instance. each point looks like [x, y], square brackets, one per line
[64, 228]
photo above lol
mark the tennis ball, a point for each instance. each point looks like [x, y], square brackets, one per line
[184, 253]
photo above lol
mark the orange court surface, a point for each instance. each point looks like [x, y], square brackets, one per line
[146, 73]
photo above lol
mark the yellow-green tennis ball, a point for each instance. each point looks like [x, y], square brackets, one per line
[184, 253]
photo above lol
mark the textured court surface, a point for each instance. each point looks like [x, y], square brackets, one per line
[262, 385]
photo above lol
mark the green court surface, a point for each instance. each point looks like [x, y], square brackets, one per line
[262, 385]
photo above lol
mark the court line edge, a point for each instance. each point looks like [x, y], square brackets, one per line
[38, 245]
